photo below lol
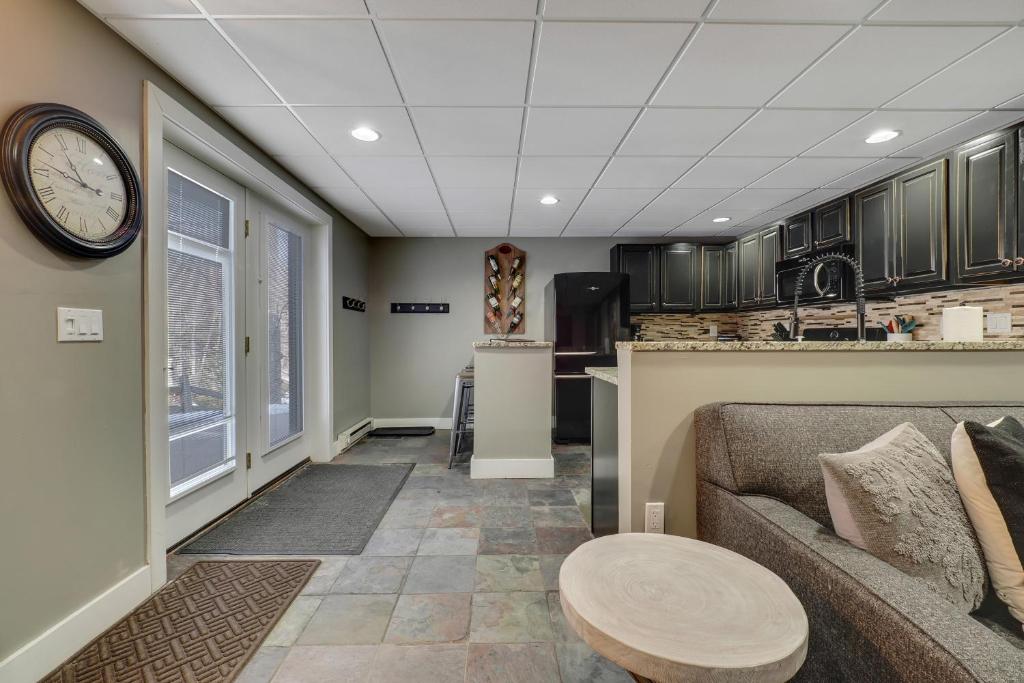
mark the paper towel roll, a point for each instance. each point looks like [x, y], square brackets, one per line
[963, 324]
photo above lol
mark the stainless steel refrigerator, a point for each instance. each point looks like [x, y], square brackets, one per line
[584, 315]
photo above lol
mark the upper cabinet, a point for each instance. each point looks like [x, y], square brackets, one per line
[679, 268]
[643, 265]
[986, 231]
[832, 224]
[718, 276]
[758, 254]
[900, 230]
[796, 236]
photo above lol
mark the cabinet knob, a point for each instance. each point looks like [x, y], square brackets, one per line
[1019, 261]
[1006, 263]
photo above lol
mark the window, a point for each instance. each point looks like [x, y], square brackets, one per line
[284, 343]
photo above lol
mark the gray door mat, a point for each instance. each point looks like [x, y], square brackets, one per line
[322, 510]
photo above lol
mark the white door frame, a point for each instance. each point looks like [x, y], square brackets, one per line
[164, 118]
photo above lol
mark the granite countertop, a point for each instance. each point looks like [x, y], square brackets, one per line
[511, 344]
[992, 345]
[606, 374]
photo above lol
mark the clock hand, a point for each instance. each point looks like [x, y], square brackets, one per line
[63, 173]
[99, 193]
[75, 170]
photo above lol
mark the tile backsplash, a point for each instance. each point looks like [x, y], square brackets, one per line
[926, 309]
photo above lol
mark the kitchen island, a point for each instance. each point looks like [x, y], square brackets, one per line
[660, 384]
[512, 410]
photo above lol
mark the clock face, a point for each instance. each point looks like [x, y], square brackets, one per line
[77, 182]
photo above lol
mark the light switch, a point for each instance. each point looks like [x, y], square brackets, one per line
[999, 323]
[79, 325]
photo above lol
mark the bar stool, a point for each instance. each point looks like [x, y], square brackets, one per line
[462, 413]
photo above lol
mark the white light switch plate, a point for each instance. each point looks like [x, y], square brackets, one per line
[999, 323]
[654, 518]
[79, 325]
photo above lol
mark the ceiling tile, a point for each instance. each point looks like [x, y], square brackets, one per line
[805, 202]
[137, 7]
[576, 231]
[659, 172]
[576, 130]
[914, 126]
[960, 86]
[528, 212]
[374, 224]
[533, 231]
[677, 206]
[877, 63]
[309, 61]
[629, 231]
[625, 202]
[871, 173]
[598, 220]
[1015, 103]
[469, 130]
[616, 9]
[274, 129]
[332, 126]
[494, 231]
[487, 9]
[951, 10]
[682, 132]
[774, 132]
[422, 223]
[799, 10]
[346, 199]
[388, 171]
[758, 199]
[460, 62]
[292, 7]
[477, 199]
[811, 172]
[315, 170]
[405, 199]
[194, 53]
[985, 122]
[480, 220]
[598, 63]
[704, 224]
[716, 69]
[545, 172]
[483, 172]
[729, 171]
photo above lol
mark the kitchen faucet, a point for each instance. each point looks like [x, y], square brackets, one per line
[858, 282]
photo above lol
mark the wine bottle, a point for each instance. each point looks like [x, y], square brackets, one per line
[517, 280]
[494, 283]
[494, 304]
[514, 321]
[494, 322]
[515, 262]
[516, 300]
[494, 264]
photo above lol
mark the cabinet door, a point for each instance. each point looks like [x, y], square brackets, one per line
[678, 277]
[832, 224]
[873, 235]
[640, 262]
[729, 262]
[712, 292]
[769, 258]
[796, 236]
[920, 221]
[984, 212]
[749, 269]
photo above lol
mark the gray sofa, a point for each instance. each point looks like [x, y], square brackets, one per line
[760, 493]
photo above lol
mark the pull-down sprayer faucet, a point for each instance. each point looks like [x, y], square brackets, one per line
[858, 282]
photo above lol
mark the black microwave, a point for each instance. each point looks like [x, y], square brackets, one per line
[824, 283]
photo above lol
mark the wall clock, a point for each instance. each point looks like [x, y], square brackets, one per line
[70, 181]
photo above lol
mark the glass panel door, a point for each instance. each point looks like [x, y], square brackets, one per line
[284, 334]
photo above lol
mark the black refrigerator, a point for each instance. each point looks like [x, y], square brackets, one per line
[584, 315]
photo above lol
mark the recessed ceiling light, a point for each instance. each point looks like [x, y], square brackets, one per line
[721, 219]
[548, 200]
[881, 136]
[365, 134]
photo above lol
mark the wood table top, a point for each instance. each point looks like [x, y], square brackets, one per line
[670, 608]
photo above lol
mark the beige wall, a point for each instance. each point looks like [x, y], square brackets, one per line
[71, 416]
[658, 392]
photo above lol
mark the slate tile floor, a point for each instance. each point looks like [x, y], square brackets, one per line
[458, 583]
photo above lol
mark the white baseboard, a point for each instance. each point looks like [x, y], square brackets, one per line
[512, 468]
[48, 651]
[435, 422]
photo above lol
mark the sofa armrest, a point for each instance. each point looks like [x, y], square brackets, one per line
[867, 618]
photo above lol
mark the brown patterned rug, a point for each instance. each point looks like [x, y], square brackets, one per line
[200, 628]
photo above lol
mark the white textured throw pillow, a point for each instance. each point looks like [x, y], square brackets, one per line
[990, 524]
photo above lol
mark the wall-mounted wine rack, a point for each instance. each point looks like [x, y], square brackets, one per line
[505, 290]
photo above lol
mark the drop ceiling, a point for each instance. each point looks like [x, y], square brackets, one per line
[644, 118]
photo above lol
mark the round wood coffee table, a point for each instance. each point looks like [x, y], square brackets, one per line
[668, 608]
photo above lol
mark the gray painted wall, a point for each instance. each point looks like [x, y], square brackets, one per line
[414, 357]
[71, 489]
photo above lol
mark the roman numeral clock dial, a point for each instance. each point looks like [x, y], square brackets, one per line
[70, 181]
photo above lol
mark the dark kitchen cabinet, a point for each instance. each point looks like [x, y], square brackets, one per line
[796, 236]
[832, 224]
[757, 259]
[769, 260]
[679, 269]
[920, 220]
[986, 232]
[873, 235]
[718, 277]
[643, 265]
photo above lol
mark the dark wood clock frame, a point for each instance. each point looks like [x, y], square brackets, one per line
[24, 126]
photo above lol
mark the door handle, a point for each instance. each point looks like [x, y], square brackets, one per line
[572, 376]
[1019, 261]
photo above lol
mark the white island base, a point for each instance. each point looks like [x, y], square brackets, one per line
[512, 410]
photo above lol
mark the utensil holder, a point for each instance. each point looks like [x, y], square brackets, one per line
[899, 337]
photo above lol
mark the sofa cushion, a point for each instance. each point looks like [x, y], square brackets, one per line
[772, 449]
[895, 497]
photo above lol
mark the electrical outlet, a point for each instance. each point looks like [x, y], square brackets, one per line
[654, 518]
[999, 323]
